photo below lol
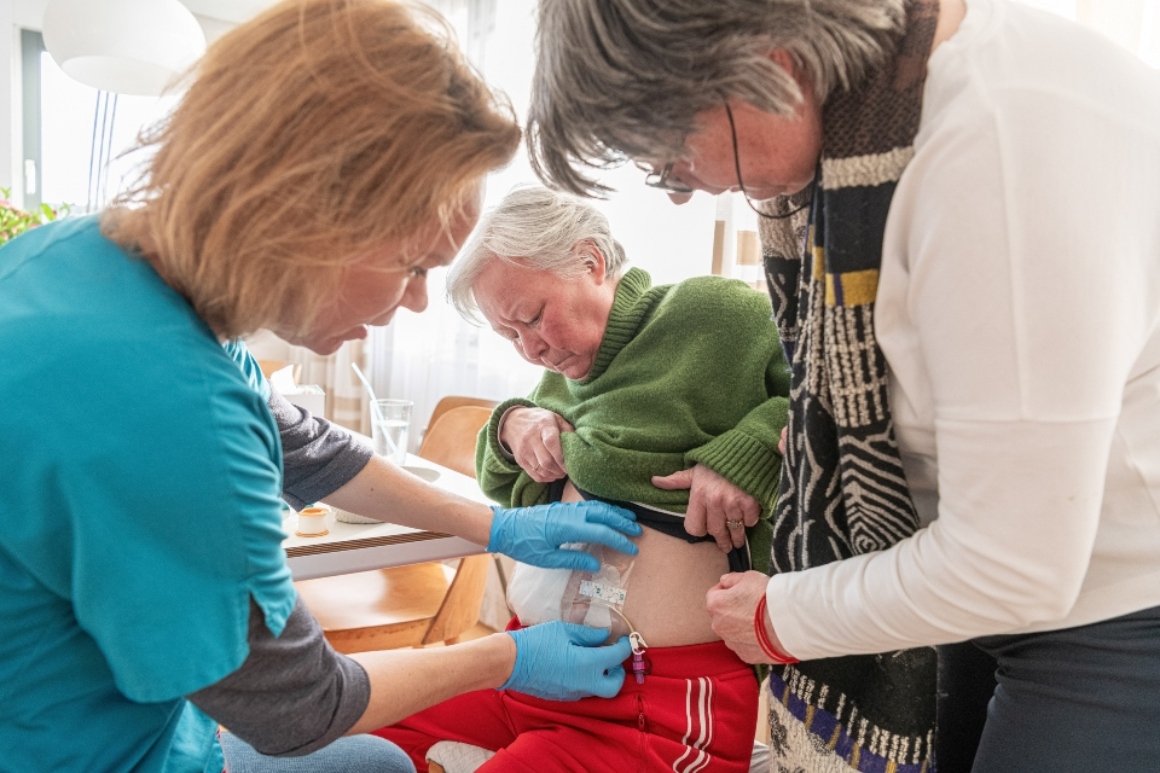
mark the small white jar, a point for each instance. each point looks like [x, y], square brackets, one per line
[312, 522]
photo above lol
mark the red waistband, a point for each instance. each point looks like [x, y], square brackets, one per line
[708, 659]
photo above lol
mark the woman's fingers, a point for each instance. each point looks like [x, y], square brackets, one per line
[728, 508]
[545, 469]
[717, 524]
[716, 506]
[731, 605]
[536, 443]
[728, 581]
[695, 519]
[750, 511]
[678, 480]
[735, 522]
[550, 437]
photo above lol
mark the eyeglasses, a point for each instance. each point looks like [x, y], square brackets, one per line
[741, 184]
[664, 179]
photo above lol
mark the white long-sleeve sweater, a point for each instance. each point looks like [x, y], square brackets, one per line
[1019, 311]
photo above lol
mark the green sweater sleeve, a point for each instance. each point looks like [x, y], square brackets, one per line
[501, 479]
[747, 457]
[747, 454]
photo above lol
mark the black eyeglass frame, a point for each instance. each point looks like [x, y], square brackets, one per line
[664, 179]
[741, 183]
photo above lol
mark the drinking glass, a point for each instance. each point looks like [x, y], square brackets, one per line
[390, 425]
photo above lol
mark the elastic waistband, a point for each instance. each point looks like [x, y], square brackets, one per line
[709, 659]
[670, 525]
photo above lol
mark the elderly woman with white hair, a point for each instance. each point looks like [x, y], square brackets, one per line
[667, 400]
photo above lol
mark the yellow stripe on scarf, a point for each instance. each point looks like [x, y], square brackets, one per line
[854, 288]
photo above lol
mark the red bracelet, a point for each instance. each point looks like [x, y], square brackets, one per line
[763, 641]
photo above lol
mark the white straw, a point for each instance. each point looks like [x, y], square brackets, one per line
[374, 400]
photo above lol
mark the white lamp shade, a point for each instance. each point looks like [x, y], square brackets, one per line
[124, 46]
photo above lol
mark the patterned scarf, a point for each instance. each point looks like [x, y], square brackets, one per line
[843, 492]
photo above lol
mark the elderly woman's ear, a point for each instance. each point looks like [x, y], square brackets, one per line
[594, 259]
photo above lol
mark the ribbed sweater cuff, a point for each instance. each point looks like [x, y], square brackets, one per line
[744, 461]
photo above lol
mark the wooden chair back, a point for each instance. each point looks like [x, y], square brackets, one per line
[456, 401]
[409, 606]
[450, 440]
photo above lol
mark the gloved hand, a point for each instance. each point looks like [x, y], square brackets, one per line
[534, 535]
[560, 662]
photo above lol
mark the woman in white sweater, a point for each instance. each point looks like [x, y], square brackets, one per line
[974, 329]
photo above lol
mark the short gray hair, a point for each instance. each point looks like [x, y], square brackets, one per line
[537, 228]
[619, 79]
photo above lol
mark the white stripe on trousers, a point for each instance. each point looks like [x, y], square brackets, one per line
[704, 727]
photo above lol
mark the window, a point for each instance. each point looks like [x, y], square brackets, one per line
[75, 136]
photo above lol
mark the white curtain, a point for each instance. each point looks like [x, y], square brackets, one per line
[346, 399]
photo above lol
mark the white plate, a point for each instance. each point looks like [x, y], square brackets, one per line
[426, 473]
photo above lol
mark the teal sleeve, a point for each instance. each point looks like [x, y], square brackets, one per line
[174, 515]
[248, 365]
[502, 480]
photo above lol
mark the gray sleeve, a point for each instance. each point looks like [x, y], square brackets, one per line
[293, 694]
[317, 457]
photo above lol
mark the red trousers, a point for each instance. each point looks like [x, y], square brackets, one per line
[695, 713]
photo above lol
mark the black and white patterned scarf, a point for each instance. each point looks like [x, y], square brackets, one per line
[843, 492]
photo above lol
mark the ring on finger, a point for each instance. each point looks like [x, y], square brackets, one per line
[733, 524]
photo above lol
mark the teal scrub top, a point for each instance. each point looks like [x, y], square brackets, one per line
[141, 472]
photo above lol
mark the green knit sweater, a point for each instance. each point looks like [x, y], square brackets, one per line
[686, 373]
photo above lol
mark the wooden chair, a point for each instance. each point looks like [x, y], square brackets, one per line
[456, 401]
[409, 606]
[445, 440]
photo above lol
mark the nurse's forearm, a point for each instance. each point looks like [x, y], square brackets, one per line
[406, 681]
[384, 491]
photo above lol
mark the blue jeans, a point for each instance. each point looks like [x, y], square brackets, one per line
[1078, 700]
[353, 754]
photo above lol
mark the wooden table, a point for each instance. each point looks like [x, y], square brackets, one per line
[358, 548]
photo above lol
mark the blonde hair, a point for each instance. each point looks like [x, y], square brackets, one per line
[310, 136]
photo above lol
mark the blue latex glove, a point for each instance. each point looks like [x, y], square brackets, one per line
[562, 662]
[534, 535]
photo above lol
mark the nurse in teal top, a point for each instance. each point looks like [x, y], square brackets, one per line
[323, 158]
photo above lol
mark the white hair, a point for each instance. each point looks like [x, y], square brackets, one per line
[539, 229]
